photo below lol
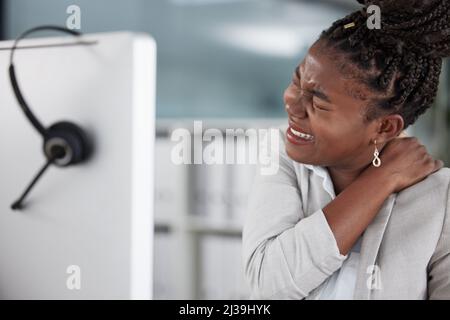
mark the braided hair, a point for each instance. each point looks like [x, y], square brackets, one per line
[401, 61]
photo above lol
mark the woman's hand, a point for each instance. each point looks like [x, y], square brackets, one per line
[406, 161]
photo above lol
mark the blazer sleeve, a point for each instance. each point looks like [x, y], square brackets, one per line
[285, 254]
[439, 266]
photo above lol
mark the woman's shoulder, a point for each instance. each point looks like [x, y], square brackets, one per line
[442, 175]
[434, 191]
[437, 180]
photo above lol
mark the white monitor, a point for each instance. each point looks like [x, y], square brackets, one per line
[86, 231]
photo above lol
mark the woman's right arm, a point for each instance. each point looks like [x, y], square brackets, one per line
[285, 254]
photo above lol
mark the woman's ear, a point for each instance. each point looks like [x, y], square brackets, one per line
[390, 127]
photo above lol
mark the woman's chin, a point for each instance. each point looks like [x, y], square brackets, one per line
[299, 155]
[295, 154]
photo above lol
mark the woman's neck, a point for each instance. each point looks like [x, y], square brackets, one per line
[342, 178]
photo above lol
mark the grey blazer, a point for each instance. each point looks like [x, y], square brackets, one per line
[289, 249]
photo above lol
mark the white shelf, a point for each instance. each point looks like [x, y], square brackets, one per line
[201, 226]
[192, 222]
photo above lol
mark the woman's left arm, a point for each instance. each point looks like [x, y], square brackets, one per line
[439, 266]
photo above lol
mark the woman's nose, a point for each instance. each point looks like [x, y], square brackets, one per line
[295, 103]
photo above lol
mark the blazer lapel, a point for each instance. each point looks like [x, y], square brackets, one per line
[370, 246]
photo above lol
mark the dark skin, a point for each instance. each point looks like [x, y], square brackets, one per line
[321, 100]
[325, 102]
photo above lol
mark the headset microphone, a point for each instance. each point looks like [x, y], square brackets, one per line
[65, 143]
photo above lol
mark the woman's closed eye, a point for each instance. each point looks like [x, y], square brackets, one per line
[319, 107]
[315, 102]
[296, 83]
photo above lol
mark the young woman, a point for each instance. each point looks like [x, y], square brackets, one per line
[355, 210]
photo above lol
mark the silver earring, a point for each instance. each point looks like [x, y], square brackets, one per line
[376, 161]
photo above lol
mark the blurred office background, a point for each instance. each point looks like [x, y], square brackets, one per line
[227, 63]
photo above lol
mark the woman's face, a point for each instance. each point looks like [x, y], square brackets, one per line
[322, 102]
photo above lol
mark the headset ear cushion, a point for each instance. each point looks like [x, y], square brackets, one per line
[73, 137]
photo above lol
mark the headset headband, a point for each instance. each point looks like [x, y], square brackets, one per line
[12, 74]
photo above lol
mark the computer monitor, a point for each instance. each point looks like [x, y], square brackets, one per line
[86, 232]
[2, 20]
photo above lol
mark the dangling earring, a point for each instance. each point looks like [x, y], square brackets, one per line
[376, 161]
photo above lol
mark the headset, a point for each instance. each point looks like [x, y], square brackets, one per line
[64, 143]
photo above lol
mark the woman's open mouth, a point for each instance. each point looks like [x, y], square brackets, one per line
[297, 137]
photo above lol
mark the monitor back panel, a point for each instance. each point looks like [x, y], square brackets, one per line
[86, 231]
